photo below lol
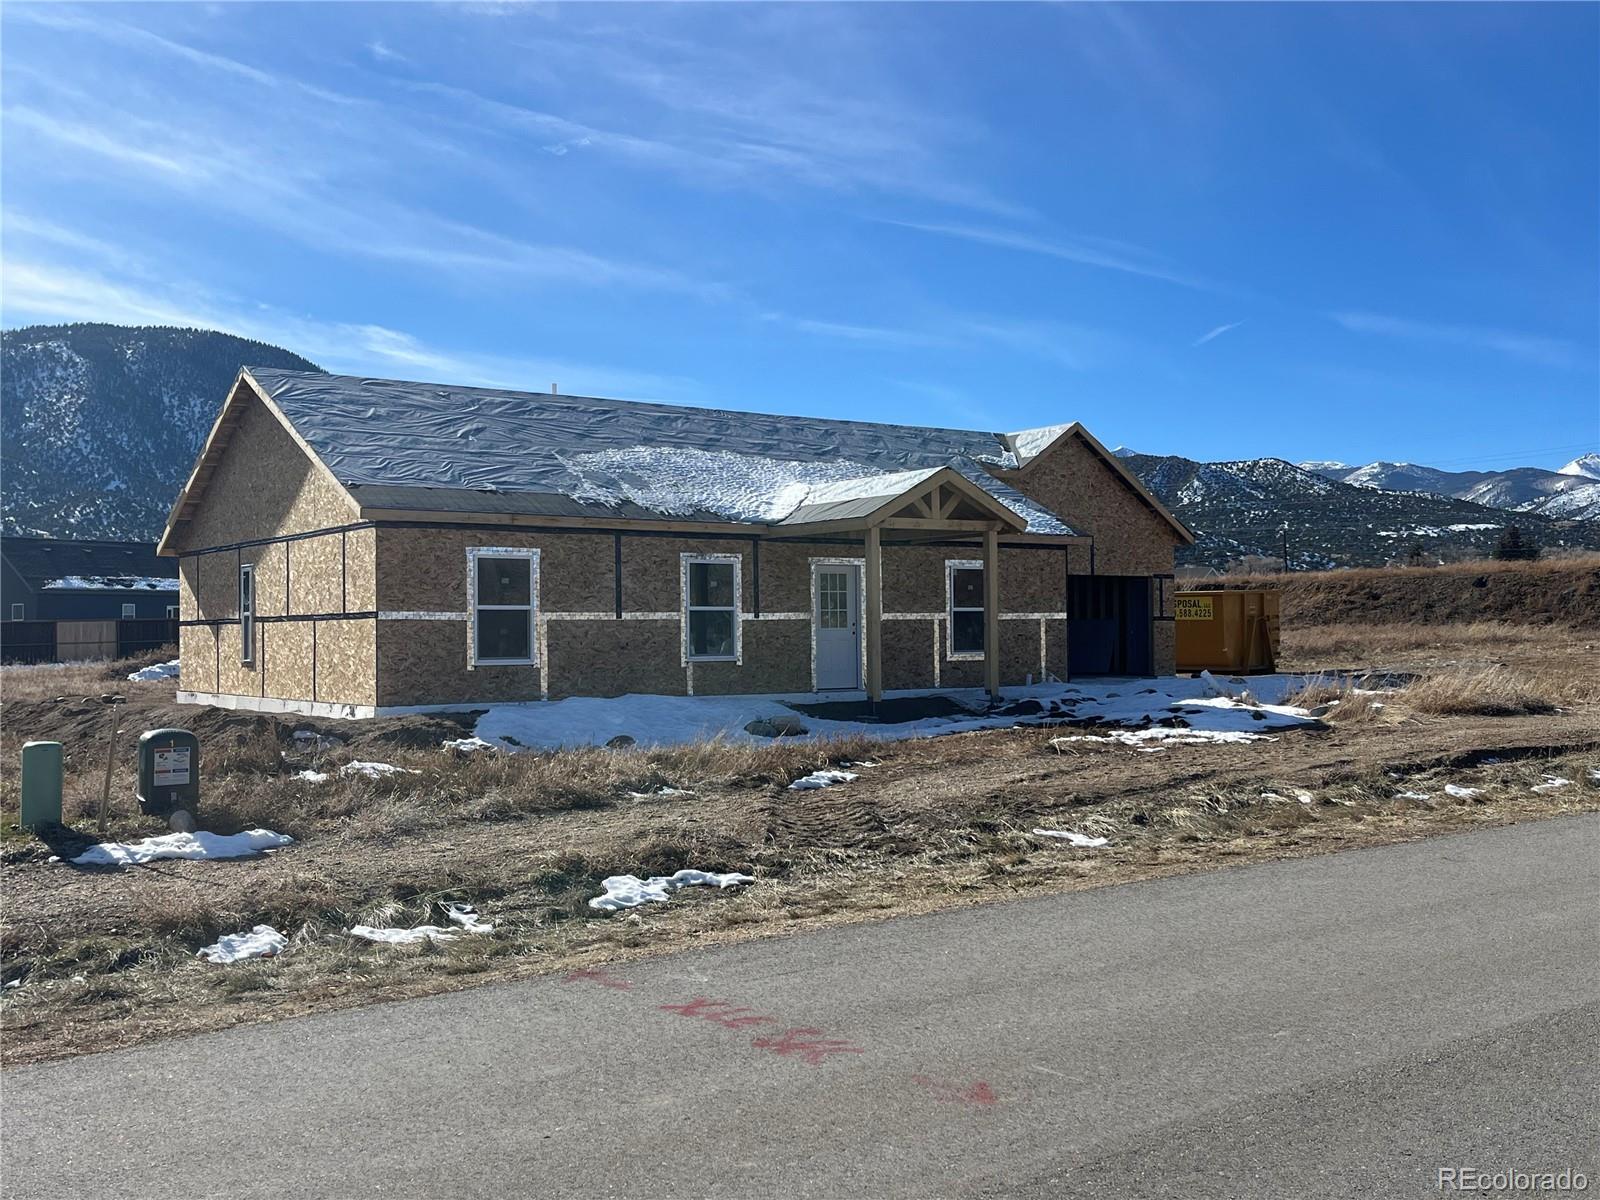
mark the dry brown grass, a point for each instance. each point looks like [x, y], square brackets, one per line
[1358, 643]
[1494, 692]
[1345, 703]
[46, 681]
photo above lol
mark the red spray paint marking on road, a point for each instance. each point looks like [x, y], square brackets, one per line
[805, 1044]
[811, 1046]
[949, 1093]
[719, 1012]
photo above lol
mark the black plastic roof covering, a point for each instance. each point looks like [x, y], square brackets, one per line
[487, 450]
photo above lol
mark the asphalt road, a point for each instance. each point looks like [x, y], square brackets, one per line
[1337, 1026]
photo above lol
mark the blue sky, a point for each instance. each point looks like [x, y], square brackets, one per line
[1315, 231]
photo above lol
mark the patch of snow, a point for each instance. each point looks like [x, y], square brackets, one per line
[402, 937]
[166, 670]
[375, 770]
[1412, 796]
[629, 891]
[182, 845]
[261, 942]
[1166, 733]
[309, 776]
[467, 745]
[310, 739]
[821, 779]
[1462, 793]
[678, 720]
[1552, 783]
[460, 913]
[1081, 841]
[660, 792]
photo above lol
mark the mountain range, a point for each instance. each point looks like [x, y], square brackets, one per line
[1572, 492]
[102, 423]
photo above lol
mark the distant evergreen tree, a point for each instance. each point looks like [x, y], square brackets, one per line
[1513, 547]
[1414, 557]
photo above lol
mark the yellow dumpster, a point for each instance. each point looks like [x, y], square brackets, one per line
[1233, 631]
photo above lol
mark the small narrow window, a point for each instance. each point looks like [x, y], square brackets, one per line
[964, 600]
[247, 613]
[129, 612]
[504, 587]
[18, 612]
[711, 608]
[172, 612]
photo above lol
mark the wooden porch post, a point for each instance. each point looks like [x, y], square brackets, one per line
[874, 615]
[991, 612]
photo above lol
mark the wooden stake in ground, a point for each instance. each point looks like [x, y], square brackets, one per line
[111, 703]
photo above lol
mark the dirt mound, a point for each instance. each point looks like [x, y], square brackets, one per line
[1558, 592]
[79, 722]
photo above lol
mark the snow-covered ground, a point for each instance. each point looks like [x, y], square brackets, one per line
[261, 942]
[166, 670]
[182, 845]
[1126, 703]
[629, 891]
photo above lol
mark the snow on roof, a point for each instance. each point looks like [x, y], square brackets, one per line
[111, 583]
[1028, 444]
[609, 455]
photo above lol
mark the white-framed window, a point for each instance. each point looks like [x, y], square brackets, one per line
[711, 590]
[963, 589]
[130, 611]
[503, 598]
[19, 612]
[172, 612]
[247, 612]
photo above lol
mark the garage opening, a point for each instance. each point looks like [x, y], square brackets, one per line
[1108, 625]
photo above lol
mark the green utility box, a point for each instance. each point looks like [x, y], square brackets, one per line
[169, 771]
[41, 785]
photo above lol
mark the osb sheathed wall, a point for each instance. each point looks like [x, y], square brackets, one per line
[584, 649]
[264, 485]
[1075, 483]
[315, 581]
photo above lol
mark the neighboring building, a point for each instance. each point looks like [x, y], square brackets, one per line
[78, 601]
[358, 546]
[51, 579]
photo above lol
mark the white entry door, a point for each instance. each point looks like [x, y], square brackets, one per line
[836, 625]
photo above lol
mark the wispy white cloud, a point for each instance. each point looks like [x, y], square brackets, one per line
[1532, 348]
[1213, 334]
[1090, 252]
[873, 334]
[383, 52]
[34, 290]
[324, 213]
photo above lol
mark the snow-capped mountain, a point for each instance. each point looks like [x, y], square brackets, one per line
[101, 423]
[1522, 488]
[1239, 509]
[1586, 465]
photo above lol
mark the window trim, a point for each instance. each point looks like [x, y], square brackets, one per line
[247, 613]
[172, 612]
[951, 566]
[531, 554]
[130, 611]
[686, 562]
[19, 612]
